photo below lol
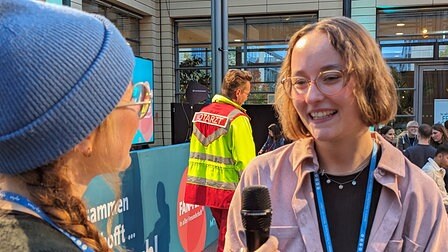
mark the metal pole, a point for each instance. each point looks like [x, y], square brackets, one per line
[225, 37]
[347, 8]
[216, 46]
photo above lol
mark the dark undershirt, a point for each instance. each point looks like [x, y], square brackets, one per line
[344, 209]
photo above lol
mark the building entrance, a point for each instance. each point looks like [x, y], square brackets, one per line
[432, 84]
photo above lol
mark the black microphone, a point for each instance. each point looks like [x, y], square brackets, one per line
[256, 214]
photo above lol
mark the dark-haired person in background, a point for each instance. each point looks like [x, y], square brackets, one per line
[339, 187]
[419, 154]
[439, 135]
[436, 168]
[221, 147]
[388, 133]
[275, 139]
[67, 114]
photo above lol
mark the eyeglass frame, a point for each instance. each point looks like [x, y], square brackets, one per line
[288, 79]
[146, 87]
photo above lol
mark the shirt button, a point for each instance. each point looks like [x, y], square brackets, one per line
[381, 172]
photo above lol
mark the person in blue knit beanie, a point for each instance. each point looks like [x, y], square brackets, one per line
[68, 112]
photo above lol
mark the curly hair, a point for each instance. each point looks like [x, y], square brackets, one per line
[374, 90]
[50, 187]
[233, 80]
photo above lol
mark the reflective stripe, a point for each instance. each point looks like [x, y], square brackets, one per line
[219, 132]
[211, 183]
[212, 137]
[213, 158]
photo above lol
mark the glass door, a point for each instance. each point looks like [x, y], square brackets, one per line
[433, 84]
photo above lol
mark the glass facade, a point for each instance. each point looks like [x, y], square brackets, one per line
[125, 21]
[410, 40]
[256, 44]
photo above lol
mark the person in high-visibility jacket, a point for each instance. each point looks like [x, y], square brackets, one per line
[221, 146]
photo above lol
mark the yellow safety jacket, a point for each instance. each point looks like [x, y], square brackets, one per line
[221, 146]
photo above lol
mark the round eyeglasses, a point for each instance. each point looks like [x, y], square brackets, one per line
[141, 99]
[328, 82]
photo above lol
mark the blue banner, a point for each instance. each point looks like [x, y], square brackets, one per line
[151, 214]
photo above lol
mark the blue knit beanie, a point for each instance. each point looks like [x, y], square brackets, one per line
[62, 71]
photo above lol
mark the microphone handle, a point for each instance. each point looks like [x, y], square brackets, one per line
[256, 238]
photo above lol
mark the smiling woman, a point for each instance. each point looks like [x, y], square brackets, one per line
[75, 119]
[338, 183]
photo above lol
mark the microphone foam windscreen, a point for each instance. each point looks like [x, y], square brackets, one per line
[256, 198]
[256, 208]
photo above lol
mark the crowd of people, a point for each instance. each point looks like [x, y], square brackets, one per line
[426, 147]
[337, 186]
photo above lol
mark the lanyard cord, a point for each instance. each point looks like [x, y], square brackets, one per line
[23, 201]
[365, 213]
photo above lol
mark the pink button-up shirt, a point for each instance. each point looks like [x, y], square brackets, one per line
[410, 215]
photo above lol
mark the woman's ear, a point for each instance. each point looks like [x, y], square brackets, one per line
[85, 147]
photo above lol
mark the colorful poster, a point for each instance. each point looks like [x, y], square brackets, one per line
[440, 110]
[54, 1]
[151, 215]
[143, 72]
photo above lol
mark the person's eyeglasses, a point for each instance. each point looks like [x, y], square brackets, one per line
[141, 99]
[328, 82]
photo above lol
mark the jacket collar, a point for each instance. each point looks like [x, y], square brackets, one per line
[222, 99]
[391, 160]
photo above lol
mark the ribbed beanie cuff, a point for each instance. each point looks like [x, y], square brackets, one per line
[62, 72]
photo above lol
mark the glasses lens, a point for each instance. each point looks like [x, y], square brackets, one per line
[330, 82]
[142, 97]
[299, 84]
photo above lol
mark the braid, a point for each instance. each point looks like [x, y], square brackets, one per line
[50, 189]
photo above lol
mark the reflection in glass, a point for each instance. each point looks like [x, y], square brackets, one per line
[276, 27]
[413, 23]
[190, 32]
[236, 32]
[405, 102]
[127, 23]
[443, 51]
[404, 80]
[202, 56]
[435, 86]
[235, 54]
[256, 44]
[266, 54]
[403, 75]
[407, 52]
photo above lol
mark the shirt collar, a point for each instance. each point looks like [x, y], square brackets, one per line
[392, 159]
